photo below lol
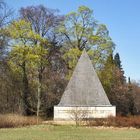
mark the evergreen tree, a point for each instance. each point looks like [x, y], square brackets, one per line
[118, 64]
[117, 60]
[129, 81]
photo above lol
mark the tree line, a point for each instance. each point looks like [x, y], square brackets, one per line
[39, 50]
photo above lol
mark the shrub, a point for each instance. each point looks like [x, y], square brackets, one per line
[14, 120]
[119, 121]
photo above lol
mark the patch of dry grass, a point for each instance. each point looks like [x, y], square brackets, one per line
[14, 120]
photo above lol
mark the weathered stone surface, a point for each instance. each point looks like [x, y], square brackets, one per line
[68, 113]
[84, 87]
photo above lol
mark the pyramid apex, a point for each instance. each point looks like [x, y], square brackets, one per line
[84, 53]
[84, 50]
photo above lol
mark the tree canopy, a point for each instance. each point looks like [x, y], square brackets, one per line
[39, 50]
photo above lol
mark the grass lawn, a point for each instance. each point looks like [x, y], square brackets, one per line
[50, 132]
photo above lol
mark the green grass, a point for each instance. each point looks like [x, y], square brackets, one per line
[50, 132]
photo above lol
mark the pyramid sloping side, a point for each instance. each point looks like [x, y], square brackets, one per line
[84, 87]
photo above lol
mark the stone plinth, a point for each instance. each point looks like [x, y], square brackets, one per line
[69, 113]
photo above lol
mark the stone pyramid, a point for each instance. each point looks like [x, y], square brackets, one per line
[84, 87]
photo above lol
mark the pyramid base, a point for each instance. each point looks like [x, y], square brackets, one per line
[82, 112]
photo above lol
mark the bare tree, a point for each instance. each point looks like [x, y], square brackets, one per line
[78, 114]
[42, 19]
[5, 18]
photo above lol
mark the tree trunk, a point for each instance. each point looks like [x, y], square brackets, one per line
[39, 95]
[25, 93]
[38, 101]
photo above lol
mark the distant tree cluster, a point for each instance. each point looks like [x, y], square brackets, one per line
[124, 95]
[39, 50]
